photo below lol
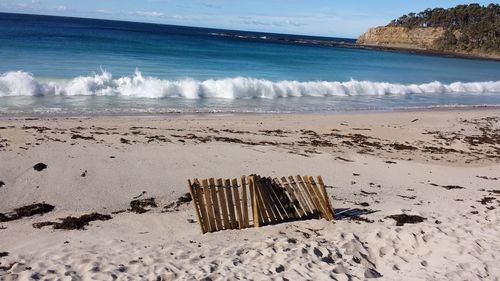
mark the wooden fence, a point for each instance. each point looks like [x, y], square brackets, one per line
[255, 201]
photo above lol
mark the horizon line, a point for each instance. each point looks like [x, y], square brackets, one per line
[177, 25]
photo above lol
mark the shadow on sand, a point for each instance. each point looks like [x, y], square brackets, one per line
[352, 213]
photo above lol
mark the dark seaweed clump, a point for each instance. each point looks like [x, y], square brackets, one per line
[40, 167]
[404, 218]
[74, 223]
[174, 206]
[27, 211]
[487, 200]
[450, 187]
[139, 206]
[185, 198]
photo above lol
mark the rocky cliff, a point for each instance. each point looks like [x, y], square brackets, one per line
[470, 30]
[402, 37]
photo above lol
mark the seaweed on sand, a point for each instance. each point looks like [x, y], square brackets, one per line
[27, 211]
[139, 205]
[72, 223]
[402, 219]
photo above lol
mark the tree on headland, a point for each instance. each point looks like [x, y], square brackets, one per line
[467, 27]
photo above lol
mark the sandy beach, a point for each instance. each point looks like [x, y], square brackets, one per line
[440, 166]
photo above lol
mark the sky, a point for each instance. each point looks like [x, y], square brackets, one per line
[337, 18]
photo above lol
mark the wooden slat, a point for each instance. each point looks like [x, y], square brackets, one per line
[230, 204]
[284, 200]
[316, 196]
[288, 200]
[279, 211]
[301, 187]
[237, 203]
[269, 200]
[203, 206]
[215, 201]
[300, 195]
[198, 193]
[321, 198]
[293, 201]
[223, 205]
[314, 205]
[313, 195]
[301, 203]
[325, 194]
[210, 209]
[244, 202]
[262, 212]
[269, 207]
[255, 205]
[196, 205]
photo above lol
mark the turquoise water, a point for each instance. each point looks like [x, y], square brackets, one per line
[53, 65]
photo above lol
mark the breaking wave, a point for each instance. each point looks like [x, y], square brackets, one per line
[20, 83]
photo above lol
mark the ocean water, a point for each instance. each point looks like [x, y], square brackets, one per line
[55, 65]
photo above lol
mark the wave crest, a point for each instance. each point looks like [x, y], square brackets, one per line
[20, 83]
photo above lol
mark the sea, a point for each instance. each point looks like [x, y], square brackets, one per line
[73, 66]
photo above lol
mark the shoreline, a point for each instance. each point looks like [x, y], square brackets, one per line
[386, 48]
[420, 51]
[341, 43]
[438, 108]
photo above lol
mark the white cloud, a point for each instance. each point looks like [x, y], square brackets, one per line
[274, 23]
[106, 12]
[211, 5]
[151, 14]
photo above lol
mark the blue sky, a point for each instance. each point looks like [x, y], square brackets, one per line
[342, 18]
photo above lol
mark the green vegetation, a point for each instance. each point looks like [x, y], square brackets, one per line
[467, 27]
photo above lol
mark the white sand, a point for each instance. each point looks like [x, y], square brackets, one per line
[452, 244]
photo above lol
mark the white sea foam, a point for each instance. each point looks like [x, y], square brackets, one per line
[19, 83]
